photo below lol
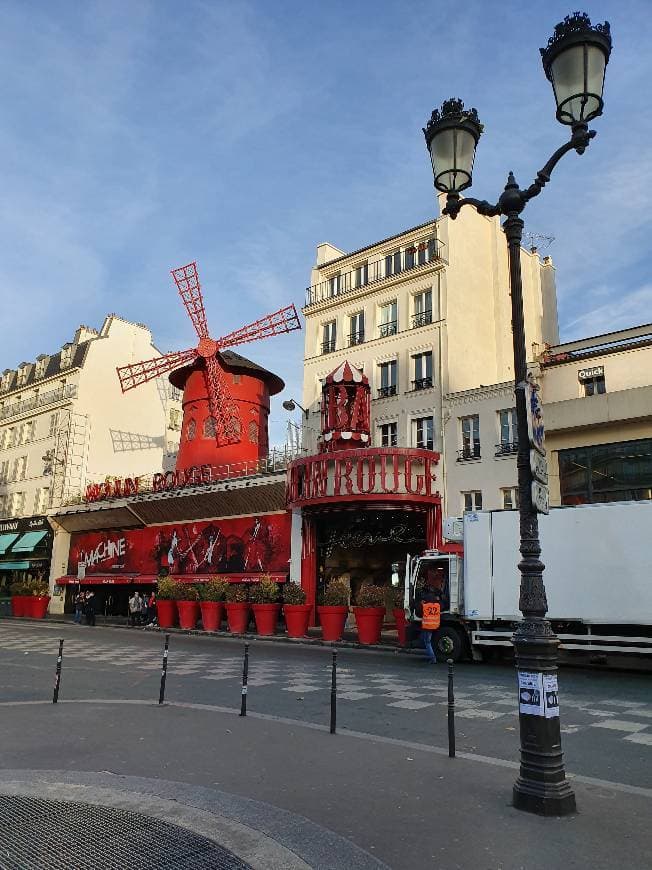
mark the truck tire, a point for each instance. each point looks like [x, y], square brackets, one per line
[448, 644]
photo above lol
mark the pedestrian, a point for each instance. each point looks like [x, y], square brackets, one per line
[134, 608]
[151, 609]
[143, 609]
[80, 599]
[90, 608]
[428, 611]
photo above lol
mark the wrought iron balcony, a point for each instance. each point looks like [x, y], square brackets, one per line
[387, 329]
[40, 401]
[383, 392]
[423, 318]
[469, 452]
[422, 383]
[506, 447]
[328, 346]
[418, 254]
[356, 338]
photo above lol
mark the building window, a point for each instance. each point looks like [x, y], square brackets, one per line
[41, 499]
[388, 434]
[4, 503]
[393, 263]
[210, 428]
[4, 471]
[422, 309]
[472, 501]
[356, 328]
[334, 283]
[66, 355]
[174, 419]
[54, 419]
[191, 429]
[426, 252]
[387, 378]
[329, 337]
[606, 472]
[23, 371]
[18, 504]
[40, 367]
[423, 429]
[361, 274]
[422, 371]
[508, 432]
[8, 438]
[388, 319]
[509, 497]
[594, 386]
[470, 427]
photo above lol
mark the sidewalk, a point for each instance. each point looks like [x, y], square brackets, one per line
[407, 805]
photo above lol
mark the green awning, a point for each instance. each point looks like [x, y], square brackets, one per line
[14, 566]
[28, 542]
[6, 541]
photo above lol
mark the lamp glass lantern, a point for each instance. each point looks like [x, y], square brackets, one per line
[574, 61]
[452, 134]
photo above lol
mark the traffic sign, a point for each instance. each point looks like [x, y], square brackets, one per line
[540, 497]
[539, 467]
[81, 571]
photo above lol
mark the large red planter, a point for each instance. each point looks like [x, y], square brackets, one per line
[188, 614]
[237, 616]
[401, 624]
[369, 621]
[166, 612]
[211, 614]
[266, 616]
[297, 617]
[39, 606]
[18, 605]
[332, 621]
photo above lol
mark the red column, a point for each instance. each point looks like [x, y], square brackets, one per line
[434, 538]
[309, 563]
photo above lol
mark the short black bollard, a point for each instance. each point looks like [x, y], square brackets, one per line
[451, 712]
[334, 693]
[164, 672]
[245, 677]
[57, 676]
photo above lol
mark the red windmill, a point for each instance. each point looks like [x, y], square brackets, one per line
[225, 396]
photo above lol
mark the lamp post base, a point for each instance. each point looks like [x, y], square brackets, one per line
[544, 799]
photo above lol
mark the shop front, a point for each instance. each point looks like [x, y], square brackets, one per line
[25, 551]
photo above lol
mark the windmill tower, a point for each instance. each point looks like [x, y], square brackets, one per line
[225, 396]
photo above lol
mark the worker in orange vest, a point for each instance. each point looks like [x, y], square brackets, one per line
[428, 610]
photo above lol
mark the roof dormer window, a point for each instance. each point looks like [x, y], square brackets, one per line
[66, 355]
[7, 376]
[23, 374]
[39, 368]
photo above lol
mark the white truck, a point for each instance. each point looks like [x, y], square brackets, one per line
[598, 580]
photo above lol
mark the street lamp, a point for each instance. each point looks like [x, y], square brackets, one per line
[574, 60]
[292, 405]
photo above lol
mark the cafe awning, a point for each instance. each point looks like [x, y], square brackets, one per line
[14, 566]
[6, 541]
[28, 542]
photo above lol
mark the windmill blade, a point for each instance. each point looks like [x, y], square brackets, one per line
[284, 320]
[228, 426]
[135, 374]
[187, 281]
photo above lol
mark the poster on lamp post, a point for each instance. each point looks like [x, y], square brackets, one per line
[530, 693]
[535, 427]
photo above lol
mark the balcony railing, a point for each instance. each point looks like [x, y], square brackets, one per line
[423, 318]
[422, 383]
[328, 346]
[49, 398]
[383, 392]
[387, 329]
[416, 255]
[506, 447]
[356, 338]
[468, 452]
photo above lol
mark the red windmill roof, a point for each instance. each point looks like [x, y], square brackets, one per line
[347, 374]
[233, 362]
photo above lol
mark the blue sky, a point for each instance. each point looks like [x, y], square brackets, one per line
[137, 136]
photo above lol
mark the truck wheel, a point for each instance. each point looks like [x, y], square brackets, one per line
[448, 644]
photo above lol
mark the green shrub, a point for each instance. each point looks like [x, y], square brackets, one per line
[371, 596]
[293, 594]
[336, 594]
[18, 587]
[214, 590]
[398, 596]
[264, 592]
[187, 592]
[167, 589]
[237, 593]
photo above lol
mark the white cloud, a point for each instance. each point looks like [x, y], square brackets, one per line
[628, 309]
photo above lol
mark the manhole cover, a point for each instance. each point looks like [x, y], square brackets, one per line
[58, 835]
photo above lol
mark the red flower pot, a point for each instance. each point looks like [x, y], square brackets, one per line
[40, 606]
[297, 617]
[188, 614]
[401, 624]
[369, 621]
[18, 605]
[166, 612]
[211, 615]
[266, 616]
[237, 616]
[332, 621]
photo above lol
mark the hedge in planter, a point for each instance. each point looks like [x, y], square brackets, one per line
[369, 613]
[334, 609]
[264, 603]
[187, 597]
[19, 596]
[166, 605]
[36, 604]
[237, 607]
[212, 596]
[295, 610]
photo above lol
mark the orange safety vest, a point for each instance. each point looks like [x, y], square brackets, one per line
[431, 618]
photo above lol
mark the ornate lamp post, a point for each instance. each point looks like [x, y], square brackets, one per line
[574, 61]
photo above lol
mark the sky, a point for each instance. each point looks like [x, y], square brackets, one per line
[138, 136]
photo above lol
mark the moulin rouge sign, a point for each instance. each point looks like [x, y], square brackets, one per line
[161, 481]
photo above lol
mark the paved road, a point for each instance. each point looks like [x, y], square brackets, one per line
[606, 718]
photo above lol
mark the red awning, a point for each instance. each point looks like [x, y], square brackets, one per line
[141, 579]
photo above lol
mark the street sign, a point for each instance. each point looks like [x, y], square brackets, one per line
[535, 428]
[540, 499]
[81, 571]
[539, 467]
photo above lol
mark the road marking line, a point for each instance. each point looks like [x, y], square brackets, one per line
[619, 725]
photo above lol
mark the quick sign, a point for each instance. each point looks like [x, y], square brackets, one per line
[588, 374]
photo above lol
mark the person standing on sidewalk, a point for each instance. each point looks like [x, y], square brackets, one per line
[428, 610]
[134, 609]
[90, 608]
[80, 599]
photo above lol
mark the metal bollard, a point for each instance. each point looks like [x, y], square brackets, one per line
[164, 672]
[334, 693]
[57, 676]
[451, 712]
[245, 676]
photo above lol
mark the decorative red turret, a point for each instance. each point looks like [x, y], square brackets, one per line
[226, 397]
[345, 410]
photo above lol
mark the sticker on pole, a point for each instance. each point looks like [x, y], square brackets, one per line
[530, 693]
[551, 695]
